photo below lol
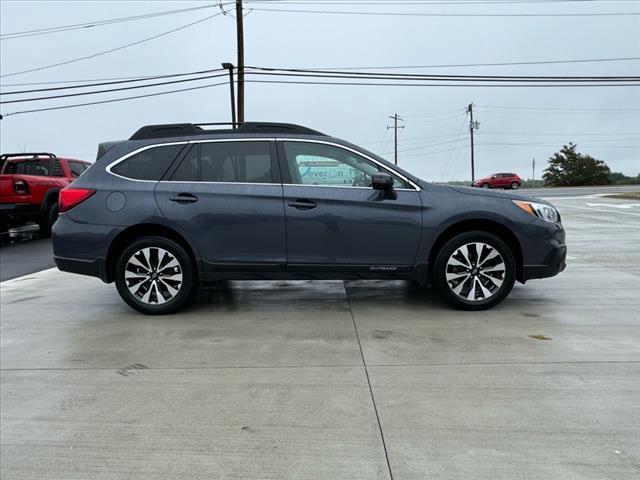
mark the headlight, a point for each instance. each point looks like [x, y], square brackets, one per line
[540, 210]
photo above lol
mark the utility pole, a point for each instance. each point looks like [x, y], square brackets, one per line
[240, 35]
[230, 67]
[472, 126]
[395, 127]
[533, 167]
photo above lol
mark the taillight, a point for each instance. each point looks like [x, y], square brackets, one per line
[20, 187]
[71, 197]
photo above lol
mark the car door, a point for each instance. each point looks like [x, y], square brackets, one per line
[333, 216]
[503, 179]
[227, 196]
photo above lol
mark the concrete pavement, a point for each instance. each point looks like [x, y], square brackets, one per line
[324, 380]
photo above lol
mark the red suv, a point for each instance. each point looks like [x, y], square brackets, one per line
[499, 180]
[29, 186]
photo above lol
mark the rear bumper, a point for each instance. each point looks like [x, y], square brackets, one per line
[92, 268]
[12, 214]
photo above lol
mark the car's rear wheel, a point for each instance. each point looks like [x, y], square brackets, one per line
[515, 186]
[485, 185]
[155, 275]
[47, 220]
[474, 271]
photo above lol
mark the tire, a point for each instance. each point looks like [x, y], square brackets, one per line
[48, 219]
[143, 287]
[485, 185]
[515, 186]
[488, 290]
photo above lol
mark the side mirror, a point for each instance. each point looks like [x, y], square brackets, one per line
[383, 182]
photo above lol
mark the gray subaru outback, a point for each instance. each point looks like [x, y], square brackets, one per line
[179, 205]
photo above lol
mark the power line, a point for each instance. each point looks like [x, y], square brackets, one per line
[327, 75]
[428, 146]
[479, 85]
[104, 52]
[435, 152]
[424, 2]
[61, 107]
[115, 82]
[403, 67]
[86, 80]
[559, 109]
[552, 145]
[109, 90]
[98, 23]
[424, 14]
[431, 2]
[494, 64]
[300, 72]
[563, 134]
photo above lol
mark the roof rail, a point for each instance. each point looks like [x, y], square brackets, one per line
[5, 156]
[186, 129]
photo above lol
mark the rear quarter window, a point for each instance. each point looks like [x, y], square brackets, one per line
[77, 168]
[150, 164]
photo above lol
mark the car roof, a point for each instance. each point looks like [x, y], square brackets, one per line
[197, 130]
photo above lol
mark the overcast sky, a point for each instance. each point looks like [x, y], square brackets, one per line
[434, 142]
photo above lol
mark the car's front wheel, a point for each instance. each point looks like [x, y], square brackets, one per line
[485, 185]
[474, 271]
[515, 186]
[155, 275]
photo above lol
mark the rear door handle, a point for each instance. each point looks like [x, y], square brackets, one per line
[184, 198]
[303, 204]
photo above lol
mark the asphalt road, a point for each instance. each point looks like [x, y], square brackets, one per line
[324, 380]
[25, 257]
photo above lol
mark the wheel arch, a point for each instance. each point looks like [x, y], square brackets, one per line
[50, 197]
[125, 237]
[484, 225]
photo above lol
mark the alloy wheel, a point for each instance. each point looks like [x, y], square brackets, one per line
[153, 275]
[475, 271]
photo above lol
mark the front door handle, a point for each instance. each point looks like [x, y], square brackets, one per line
[303, 204]
[184, 198]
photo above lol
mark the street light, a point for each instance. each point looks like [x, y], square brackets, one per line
[230, 67]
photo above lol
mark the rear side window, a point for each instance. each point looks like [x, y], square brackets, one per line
[229, 162]
[77, 168]
[30, 167]
[150, 164]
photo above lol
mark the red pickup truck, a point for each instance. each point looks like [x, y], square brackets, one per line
[29, 186]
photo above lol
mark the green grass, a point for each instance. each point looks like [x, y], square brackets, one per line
[625, 196]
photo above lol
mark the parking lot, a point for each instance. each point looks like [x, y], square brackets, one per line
[320, 380]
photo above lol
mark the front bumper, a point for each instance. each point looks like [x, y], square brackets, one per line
[544, 251]
[552, 265]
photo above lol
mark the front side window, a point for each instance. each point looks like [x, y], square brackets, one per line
[228, 162]
[150, 164]
[328, 165]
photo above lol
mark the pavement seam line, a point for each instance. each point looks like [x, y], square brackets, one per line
[266, 367]
[366, 371]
